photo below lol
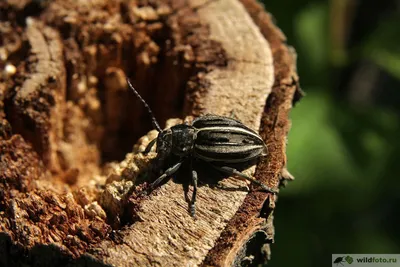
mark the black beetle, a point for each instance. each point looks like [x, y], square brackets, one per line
[220, 141]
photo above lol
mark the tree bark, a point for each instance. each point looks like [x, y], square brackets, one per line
[70, 191]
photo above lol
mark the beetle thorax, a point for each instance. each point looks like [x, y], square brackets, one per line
[183, 138]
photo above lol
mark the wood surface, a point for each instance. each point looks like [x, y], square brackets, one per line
[70, 191]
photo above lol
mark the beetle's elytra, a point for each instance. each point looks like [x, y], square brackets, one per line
[222, 139]
[222, 142]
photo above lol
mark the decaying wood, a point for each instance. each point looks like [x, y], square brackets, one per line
[65, 112]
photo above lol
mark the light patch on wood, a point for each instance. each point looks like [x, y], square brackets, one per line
[241, 90]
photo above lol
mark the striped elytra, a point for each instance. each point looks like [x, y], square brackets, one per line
[222, 139]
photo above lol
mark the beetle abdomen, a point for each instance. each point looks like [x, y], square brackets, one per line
[222, 139]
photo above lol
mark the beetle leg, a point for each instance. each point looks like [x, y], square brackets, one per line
[149, 146]
[232, 171]
[193, 202]
[167, 173]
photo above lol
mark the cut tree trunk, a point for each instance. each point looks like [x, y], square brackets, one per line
[70, 192]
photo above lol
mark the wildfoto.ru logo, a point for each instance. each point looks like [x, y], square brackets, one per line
[363, 260]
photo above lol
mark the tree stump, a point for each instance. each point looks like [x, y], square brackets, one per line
[70, 183]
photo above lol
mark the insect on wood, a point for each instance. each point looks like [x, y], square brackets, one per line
[222, 142]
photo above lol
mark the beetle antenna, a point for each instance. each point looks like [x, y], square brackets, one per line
[153, 119]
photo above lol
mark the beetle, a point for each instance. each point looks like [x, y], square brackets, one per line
[221, 142]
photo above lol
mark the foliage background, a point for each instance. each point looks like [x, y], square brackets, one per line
[345, 140]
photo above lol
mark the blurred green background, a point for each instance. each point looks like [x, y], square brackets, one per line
[344, 144]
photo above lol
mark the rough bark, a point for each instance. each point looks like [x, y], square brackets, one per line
[70, 189]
